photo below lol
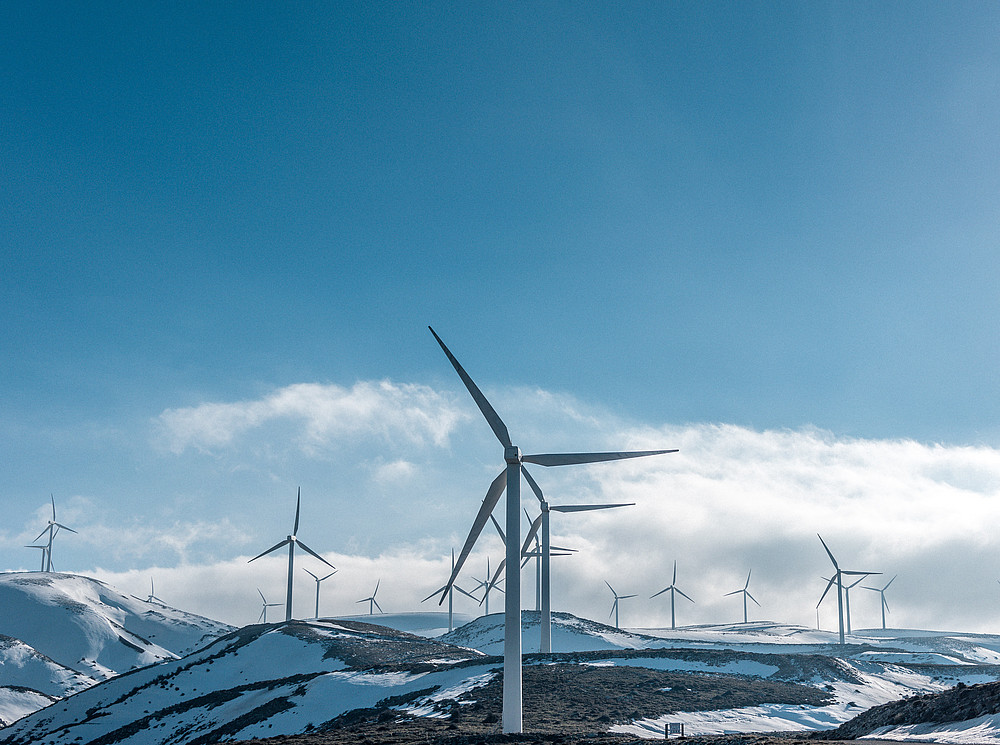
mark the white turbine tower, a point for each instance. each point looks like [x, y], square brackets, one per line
[838, 577]
[674, 589]
[545, 644]
[510, 478]
[318, 580]
[372, 602]
[614, 607]
[52, 529]
[152, 593]
[291, 541]
[264, 606]
[881, 593]
[746, 594]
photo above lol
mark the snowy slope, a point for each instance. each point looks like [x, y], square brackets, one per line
[61, 633]
[431, 624]
[261, 680]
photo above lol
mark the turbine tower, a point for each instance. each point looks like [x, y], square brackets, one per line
[372, 602]
[614, 607]
[291, 541]
[838, 577]
[45, 550]
[545, 644]
[881, 592]
[746, 594]
[674, 589]
[52, 529]
[318, 580]
[264, 606]
[510, 478]
[152, 593]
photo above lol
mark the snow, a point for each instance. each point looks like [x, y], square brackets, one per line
[984, 729]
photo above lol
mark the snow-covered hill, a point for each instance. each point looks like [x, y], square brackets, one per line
[61, 633]
[262, 680]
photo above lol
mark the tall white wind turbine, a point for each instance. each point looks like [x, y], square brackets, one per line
[838, 578]
[318, 580]
[881, 593]
[372, 602]
[510, 478]
[615, 606]
[52, 529]
[545, 644]
[746, 594]
[152, 593]
[264, 606]
[291, 541]
[674, 589]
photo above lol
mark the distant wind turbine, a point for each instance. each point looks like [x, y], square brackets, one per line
[152, 593]
[545, 645]
[838, 577]
[510, 478]
[52, 529]
[291, 541]
[318, 580]
[45, 554]
[372, 602]
[881, 593]
[264, 606]
[451, 597]
[487, 585]
[614, 607]
[746, 594]
[673, 588]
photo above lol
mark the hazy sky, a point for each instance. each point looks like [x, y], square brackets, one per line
[765, 233]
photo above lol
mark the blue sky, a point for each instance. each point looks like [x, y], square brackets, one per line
[763, 216]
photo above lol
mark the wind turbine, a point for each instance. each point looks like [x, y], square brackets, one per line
[746, 594]
[264, 606]
[291, 541]
[152, 593]
[372, 602]
[318, 580]
[510, 478]
[838, 577]
[545, 645]
[45, 550]
[487, 585]
[538, 555]
[614, 607]
[674, 589]
[52, 528]
[885, 605]
[451, 598]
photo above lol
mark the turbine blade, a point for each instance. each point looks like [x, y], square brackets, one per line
[886, 604]
[309, 573]
[889, 583]
[588, 507]
[679, 592]
[572, 459]
[377, 605]
[263, 599]
[659, 593]
[754, 599]
[59, 525]
[47, 530]
[275, 547]
[500, 530]
[622, 597]
[496, 574]
[674, 580]
[535, 524]
[298, 503]
[748, 580]
[377, 583]
[532, 484]
[440, 589]
[485, 511]
[734, 592]
[829, 584]
[305, 548]
[611, 588]
[329, 575]
[494, 420]
[828, 552]
[467, 594]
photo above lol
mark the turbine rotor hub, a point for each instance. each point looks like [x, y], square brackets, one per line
[512, 455]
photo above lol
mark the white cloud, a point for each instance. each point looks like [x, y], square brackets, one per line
[324, 415]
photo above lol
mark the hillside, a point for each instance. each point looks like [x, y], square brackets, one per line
[61, 633]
